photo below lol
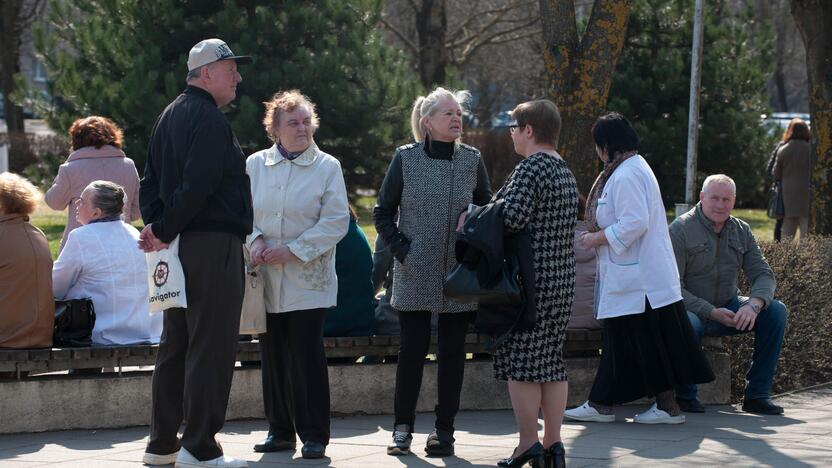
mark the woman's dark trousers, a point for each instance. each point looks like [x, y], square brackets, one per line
[415, 344]
[295, 378]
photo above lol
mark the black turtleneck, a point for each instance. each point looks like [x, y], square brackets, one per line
[439, 149]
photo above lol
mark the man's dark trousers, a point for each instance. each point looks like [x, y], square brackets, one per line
[198, 349]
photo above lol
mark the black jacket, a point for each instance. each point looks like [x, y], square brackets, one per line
[195, 176]
[485, 245]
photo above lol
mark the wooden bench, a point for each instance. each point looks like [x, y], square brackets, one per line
[579, 343]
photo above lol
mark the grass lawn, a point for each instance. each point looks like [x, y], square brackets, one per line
[52, 222]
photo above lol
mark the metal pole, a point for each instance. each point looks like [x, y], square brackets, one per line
[693, 115]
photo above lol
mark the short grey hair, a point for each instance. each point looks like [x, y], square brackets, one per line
[107, 196]
[193, 74]
[719, 179]
[425, 106]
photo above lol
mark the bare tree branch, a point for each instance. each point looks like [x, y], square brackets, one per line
[472, 47]
[405, 40]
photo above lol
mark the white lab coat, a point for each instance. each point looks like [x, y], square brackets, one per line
[303, 204]
[102, 261]
[639, 259]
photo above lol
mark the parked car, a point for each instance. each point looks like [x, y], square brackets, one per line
[777, 122]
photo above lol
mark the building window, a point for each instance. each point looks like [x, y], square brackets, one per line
[40, 72]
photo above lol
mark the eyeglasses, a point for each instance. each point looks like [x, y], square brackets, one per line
[513, 128]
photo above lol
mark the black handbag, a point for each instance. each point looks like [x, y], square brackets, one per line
[463, 285]
[776, 209]
[74, 321]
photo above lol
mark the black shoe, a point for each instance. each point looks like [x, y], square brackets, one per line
[312, 449]
[440, 443]
[690, 406]
[273, 444]
[761, 406]
[554, 456]
[400, 445]
[535, 452]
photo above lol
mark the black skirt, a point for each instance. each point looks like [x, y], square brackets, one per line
[648, 353]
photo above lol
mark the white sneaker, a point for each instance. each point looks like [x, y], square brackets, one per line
[656, 416]
[156, 459]
[587, 413]
[185, 459]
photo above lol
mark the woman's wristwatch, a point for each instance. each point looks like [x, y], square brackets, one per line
[755, 307]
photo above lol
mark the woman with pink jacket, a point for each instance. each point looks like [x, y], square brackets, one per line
[96, 155]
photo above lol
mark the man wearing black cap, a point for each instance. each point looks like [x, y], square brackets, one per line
[195, 186]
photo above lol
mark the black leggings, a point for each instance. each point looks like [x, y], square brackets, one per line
[415, 344]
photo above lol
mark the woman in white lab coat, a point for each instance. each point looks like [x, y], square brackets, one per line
[648, 344]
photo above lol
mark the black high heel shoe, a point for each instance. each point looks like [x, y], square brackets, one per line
[553, 457]
[535, 452]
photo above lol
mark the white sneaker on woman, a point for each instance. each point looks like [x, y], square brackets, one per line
[656, 416]
[185, 459]
[587, 413]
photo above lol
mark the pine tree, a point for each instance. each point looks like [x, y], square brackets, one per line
[651, 88]
[126, 59]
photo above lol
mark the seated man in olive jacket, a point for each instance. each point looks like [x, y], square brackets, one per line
[711, 247]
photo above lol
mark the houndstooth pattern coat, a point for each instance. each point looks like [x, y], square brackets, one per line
[542, 193]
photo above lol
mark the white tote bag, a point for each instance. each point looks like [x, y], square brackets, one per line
[253, 313]
[166, 279]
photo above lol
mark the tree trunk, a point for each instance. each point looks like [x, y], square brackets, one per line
[20, 155]
[814, 20]
[579, 74]
[432, 26]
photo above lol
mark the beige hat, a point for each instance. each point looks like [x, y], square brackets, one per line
[213, 50]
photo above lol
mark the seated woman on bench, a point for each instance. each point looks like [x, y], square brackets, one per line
[100, 261]
[28, 311]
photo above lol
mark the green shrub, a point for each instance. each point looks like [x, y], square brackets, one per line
[804, 287]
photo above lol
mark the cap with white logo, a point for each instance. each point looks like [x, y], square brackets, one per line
[213, 50]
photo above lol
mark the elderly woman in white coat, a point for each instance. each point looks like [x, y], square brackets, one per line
[100, 261]
[300, 214]
[648, 344]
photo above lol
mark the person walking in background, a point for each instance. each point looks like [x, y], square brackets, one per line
[648, 344]
[300, 213]
[96, 144]
[195, 186]
[429, 184]
[100, 261]
[793, 171]
[775, 186]
[28, 310]
[541, 195]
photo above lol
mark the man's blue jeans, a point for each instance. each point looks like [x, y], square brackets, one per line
[768, 340]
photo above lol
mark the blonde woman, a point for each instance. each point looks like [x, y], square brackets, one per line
[429, 183]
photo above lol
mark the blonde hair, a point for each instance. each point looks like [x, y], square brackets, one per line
[284, 102]
[719, 179]
[17, 195]
[425, 106]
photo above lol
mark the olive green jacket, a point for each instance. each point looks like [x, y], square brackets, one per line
[709, 263]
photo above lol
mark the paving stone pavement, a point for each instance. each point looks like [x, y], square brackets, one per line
[722, 436]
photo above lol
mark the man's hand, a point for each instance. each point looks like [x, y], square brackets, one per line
[148, 242]
[745, 318]
[255, 254]
[724, 316]
[279, 255]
